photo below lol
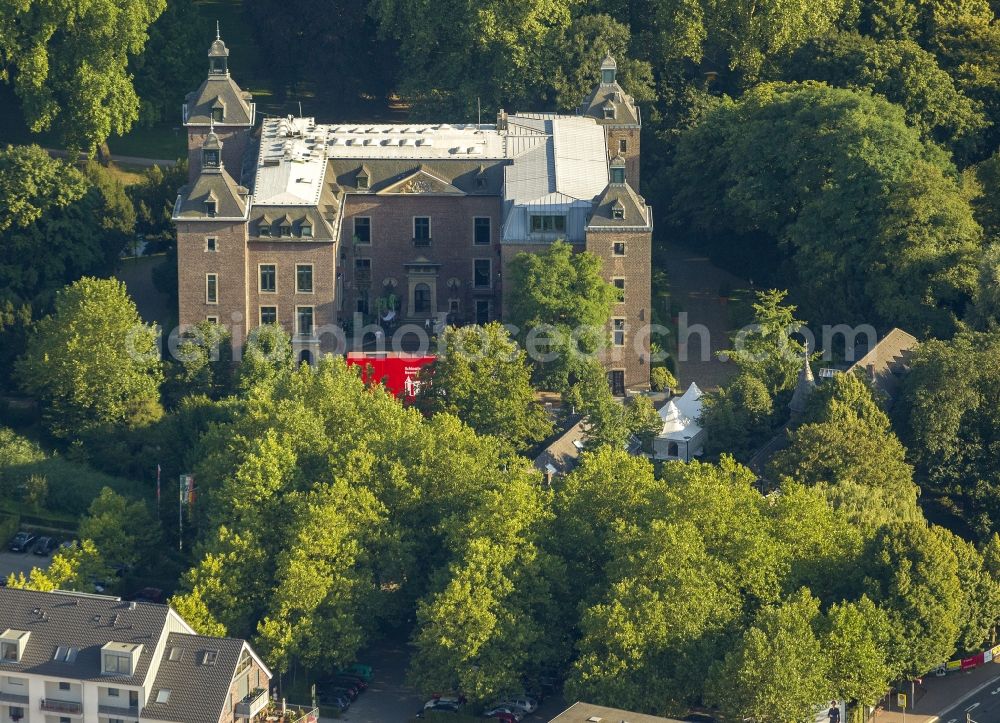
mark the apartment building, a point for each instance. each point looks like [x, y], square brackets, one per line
[316, 226]
[68, 657]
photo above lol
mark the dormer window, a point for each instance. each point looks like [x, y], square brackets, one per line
[362, 181]
[286, 230]
[119, 658]
[217, 114]
[211, 207]
[12, 644]
[264, 227]
[306, 230]
[609, 111]
[618, 210]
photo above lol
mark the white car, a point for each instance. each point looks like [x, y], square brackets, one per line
[525, 704]
[444, 702]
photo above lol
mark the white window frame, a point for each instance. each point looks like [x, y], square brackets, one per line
[614, 251]
[260, 313]
[208, 299]
[212, 319]
[615, 331]
[312, 279]
[489, 228]
[354, 235]
[298, 324]
[489, 278]
[211, 244]
[260, 286]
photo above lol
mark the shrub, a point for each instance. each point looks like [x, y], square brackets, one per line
[661, 379]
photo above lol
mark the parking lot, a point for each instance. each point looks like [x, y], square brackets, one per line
[11, 562]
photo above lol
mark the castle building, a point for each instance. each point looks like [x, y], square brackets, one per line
[317, 226]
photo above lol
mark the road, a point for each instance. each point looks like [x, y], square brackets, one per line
[983, 706]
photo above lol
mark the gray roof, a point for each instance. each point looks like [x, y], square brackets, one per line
[626, 111]
[387, 172]
[635, 212]
[86, 622]
[562, 454]
[803, 388]
[887, 361]
[239, 111]
[198, 692]
[583, 712]
[322, 222]
[215, 185]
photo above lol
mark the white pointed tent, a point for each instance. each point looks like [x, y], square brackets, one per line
[682, 437]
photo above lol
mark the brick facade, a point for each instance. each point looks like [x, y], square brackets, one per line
[393, 256]
[228, 262]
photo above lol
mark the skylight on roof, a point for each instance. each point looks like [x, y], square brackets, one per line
[65, 654]
[175, 654]
[163, 696]
[209, 657]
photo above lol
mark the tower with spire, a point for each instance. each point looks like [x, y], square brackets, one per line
[220, 106]
[803, 390]
[616, 110]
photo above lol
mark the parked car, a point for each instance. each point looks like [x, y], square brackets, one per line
[340, 702]
[361, 683]
[504, 710]
[439, 706]
[506, 717]
[521, 703]
[699, 718]
[345, 685]
[350, 693]
[362, 671]
[21, 542]
[443, 700]
[44, 546]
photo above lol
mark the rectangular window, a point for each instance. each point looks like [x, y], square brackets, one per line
[362, 182]
[362, 230]
[211, 288]
[361, 303]
[63, 685]
[16, 712]
[268, 278]
[304, 278]
[619, 284]
[304, 319]
[268, 315]
[422, 230]
[264, 229]
[212, 319]
[112, 692]
[210, 208]
[362, 271]
[548, 224]
[618, 248]
[116, 664]
[8, 652]
[481, 272]
[306, 231]
[619, 332]
[622, 145]
[211, 244]
[481, 224]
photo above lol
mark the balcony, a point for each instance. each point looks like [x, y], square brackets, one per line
[115, 711]
[66, 707]
[13, 698]
[252, 704]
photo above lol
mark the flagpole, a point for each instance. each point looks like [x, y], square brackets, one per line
[180, 512]
[158, 491]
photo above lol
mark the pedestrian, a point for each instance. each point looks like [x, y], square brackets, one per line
[834, 712]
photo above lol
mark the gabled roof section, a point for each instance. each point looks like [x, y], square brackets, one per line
[421, 182]
[230, 199]
[198, 691]
[634, 211]
[469, 177]
[220, 91]
[84, 622]
[611, 96]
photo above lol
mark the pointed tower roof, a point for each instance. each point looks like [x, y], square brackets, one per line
[803, 389]
[609, 63]
[219, 92]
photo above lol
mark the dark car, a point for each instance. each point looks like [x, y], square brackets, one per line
[44, 546]
[22, 542]
[340, 702]
[700, 718]
[348, 685]
[359, 683]
[350, 693]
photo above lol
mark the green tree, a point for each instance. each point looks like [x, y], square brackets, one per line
[267, 353]
[68, 63]
[660, 379]
[123, 530]
[856, 638]
[767, 350]
[32, 183]
[777, 671]
[738, 417]
[507, 41]
[913, 574]
[92, 363]
[483, 378]
[875, 222]
[75, 568]
[204, 364]
[899, 70]
[851, 452]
